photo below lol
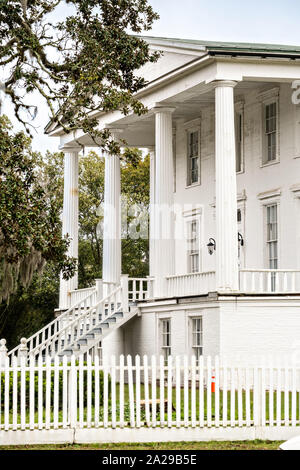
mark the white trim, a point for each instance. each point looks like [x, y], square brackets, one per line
[269, 194]
[266, 98]
[191, 127]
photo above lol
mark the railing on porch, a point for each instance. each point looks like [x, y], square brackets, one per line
[265, 281]
[147, 392]
[190, 284]
[139, 289]
[89, 293]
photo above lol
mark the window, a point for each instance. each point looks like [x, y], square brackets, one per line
[197, 338]
[272, 236]
[272, 240]
[166, 338]
[270, 131]
[239, 141]
[193, 246]
[193, 157]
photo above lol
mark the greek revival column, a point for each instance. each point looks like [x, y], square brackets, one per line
[152, 256]
[70, 219]
[112, 219]
[164, 189]
[226, 192]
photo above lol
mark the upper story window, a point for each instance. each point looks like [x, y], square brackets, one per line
[193, 157]
[239, 137]
[270, 126]
[193, 242]
[272, 236]
[270, 117]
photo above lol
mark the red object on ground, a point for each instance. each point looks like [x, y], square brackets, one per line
[213, 384]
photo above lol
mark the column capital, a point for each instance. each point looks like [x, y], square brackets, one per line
[72, 148]
[224, 83]
[163, 109]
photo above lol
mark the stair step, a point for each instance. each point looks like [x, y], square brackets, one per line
[82, 341]
[118, 315]
[111, 320]
[97, 330]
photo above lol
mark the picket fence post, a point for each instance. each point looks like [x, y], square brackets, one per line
[3, 352]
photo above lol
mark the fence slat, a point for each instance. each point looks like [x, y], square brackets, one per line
[161, 391]
[97, 391]
[138, 390]
[278, 397]
[131, 391]
[89, 391]
[146, 389]
[201, 392]
[65, 392]
[113, 392]
[80, 391]
[232, 396]
[271, 392]
[294, 397]
[48, 391]
[6, 395]
[105, 392]
[15, 392]
[23, 393]
[122, 390]
[225, 401]
[153, 390]
[170, 369]
[56, 392]
[247, 397]
[286, 396]
[193, 391]
[217, 391]
[208, 391]
[40, 392]
[178, 392]
[186, 390]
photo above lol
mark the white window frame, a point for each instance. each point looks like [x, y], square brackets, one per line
[239, 117]
[267, 98]
[275, 240]
[189, 221]
[193, 332]
[165, 349]
[193, 127]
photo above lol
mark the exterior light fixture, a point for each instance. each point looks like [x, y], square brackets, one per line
[240, 239]
[211, 245]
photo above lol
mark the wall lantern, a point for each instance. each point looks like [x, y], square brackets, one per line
[211, 245]
[240, 239]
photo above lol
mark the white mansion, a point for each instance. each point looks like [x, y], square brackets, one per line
[223, 131]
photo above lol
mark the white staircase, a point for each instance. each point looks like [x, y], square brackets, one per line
[86, 323]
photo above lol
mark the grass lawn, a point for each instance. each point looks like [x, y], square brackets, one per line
[212, 445]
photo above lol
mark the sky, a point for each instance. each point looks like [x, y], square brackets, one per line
[266, 21]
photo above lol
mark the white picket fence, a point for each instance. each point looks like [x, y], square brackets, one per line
[146, 392]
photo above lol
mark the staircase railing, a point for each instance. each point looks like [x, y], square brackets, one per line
[80, 326]
[53, 327]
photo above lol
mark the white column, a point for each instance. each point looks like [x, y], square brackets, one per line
[164, 199]
[70, 219]
[111, 270]
[226, 192]
[152, 261]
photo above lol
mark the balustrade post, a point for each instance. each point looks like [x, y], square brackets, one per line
[99, 290]
[124, 292]
[3, 352]
[23, 351]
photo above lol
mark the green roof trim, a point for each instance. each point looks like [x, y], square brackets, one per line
[232, 46]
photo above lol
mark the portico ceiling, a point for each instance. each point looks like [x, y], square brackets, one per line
[139, 131]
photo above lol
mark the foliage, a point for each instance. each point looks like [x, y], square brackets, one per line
[30, 228]
[81, 65]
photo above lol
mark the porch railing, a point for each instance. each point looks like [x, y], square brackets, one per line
[89, 293]
[269, 281]
[190, 284]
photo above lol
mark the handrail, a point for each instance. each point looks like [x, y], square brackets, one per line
[60, 335]
[173, 276]
[265, 270]
[56, 321]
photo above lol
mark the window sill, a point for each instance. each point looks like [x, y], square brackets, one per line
[274, 162]
[192, 185]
